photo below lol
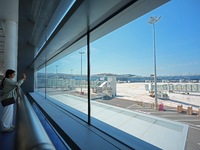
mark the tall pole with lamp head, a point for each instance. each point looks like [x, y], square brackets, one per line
[152, 21]
[57, 76]
[81, 68]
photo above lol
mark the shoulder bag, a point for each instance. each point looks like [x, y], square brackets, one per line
[7, 101]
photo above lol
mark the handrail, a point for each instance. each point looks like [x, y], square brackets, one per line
[30, 134]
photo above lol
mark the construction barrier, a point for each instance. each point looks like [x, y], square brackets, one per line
[199, 112]
[189, 110]
[152, 105]
[180, 108]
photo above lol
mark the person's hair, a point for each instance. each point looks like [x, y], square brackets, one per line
[7, 74]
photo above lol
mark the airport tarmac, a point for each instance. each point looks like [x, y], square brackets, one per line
[133, 96]
[130, 96]
[193, 137]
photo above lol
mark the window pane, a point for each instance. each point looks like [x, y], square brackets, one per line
[67, 80]
[40, 81]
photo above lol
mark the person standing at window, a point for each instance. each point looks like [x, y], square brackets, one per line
[9, 90]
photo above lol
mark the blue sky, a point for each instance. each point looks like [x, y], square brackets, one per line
[129, 50]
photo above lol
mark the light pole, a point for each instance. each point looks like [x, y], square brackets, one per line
[152, 21]
[81, 68]
[56, 76]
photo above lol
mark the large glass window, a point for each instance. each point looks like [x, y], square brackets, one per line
[123, 69]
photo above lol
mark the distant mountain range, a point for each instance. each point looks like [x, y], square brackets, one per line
[111, 74]
[116, 75]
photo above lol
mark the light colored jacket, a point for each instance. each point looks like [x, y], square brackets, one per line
[9, 88]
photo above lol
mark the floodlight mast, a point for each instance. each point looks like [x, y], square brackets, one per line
[81, 70]
[152, 21]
